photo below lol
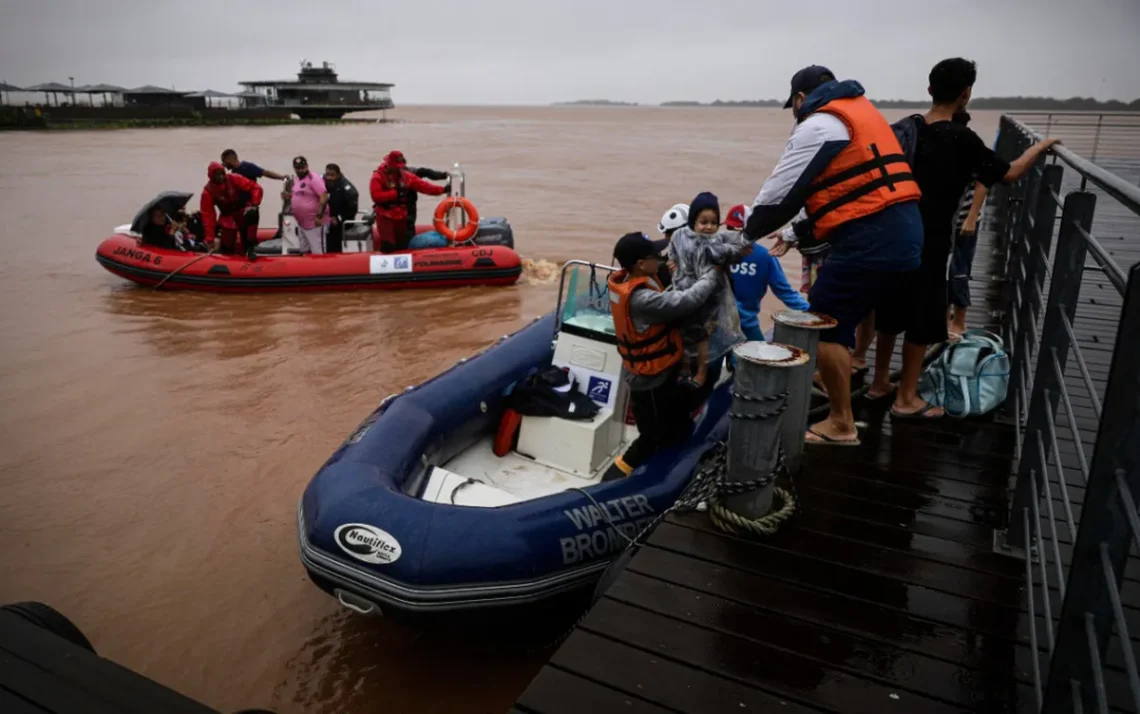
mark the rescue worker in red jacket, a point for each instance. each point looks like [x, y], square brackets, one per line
[390, 186]
[649, 342]
[236, 199]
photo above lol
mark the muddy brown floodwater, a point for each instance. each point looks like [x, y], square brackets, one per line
[153, 445]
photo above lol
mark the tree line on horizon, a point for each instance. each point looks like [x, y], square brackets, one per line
[1008, 103]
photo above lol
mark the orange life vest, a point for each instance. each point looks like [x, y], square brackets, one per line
[643, 353]
[870, 173]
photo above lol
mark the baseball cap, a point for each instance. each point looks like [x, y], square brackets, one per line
[300, 162]
[632, 247]
[736, 217]
[807, 79]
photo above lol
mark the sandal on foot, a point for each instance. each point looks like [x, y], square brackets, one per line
[825, 440]
[923, 413]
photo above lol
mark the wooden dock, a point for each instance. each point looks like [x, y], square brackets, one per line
[42, 673]
[883, 594]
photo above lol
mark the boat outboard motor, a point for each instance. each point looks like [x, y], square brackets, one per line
[495, 231]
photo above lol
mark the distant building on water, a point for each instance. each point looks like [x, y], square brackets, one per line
[318, 93]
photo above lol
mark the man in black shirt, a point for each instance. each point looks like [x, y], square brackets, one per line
[344, 201]
[413, 197]
[948, 156]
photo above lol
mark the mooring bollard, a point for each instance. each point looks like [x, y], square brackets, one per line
[800, 329]
[760, 396]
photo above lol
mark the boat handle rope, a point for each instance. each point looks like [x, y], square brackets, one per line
[180, 268]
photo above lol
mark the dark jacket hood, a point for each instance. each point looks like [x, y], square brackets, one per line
[829, 92]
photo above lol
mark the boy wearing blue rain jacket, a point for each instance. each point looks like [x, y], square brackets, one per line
[751, 279]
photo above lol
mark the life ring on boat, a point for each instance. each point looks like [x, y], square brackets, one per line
[465, 233]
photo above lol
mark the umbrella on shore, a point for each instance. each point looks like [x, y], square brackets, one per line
[207, 95]
[52, 88]
[170, 201]
[7, 88]
[100, 89]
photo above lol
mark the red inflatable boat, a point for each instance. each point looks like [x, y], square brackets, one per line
[488, 262]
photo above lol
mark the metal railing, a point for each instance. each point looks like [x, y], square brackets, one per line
[1089, 134]
[1041, 333]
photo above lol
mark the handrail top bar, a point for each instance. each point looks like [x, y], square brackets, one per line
[1074, 113]
[1115, 186]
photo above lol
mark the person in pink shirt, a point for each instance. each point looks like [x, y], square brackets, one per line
[308, 202]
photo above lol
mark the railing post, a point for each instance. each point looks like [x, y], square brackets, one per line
[1033, 253]
[1096, 137]
[1016, 141]
[1064, 291]
[798, 329]
[999, 194]
[1104, 522]
[759, 398]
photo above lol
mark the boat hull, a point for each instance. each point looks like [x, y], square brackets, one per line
[366, 536]
[146, 265]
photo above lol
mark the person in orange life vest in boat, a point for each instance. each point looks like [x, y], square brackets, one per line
[236, 199]
[649, 342]
[390, 185]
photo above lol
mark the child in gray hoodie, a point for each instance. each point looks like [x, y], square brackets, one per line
[695, 250]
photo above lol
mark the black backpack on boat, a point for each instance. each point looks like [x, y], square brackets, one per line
[551, 392]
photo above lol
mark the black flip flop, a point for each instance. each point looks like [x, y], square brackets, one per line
[825, 440]
[919, 415]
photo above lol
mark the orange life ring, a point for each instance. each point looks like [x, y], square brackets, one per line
[465, 233]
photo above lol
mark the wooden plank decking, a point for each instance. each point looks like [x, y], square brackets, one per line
[883, 594]
[41, 672]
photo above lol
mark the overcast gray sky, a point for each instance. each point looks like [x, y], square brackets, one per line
[541, 51]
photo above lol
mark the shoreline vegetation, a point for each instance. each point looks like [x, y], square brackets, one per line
[11, 120]
[1022, 104]
[595, 103]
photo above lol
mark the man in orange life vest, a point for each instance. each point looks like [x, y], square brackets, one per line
[649, 343]
[844, 167]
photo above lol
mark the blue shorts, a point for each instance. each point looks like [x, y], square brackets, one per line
[849, 293]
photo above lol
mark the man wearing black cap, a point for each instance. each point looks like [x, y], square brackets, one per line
[845, 169]
[307, 203]
[649, 342]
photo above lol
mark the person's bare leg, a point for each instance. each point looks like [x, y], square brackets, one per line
[957, 324]
[881, 385]
[702, 363]
[864, 334]
[907, 400]
[835, 368]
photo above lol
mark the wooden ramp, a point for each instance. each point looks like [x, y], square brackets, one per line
[40, 672]
[884, 593]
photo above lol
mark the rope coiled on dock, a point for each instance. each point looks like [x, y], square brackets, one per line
[711, 488]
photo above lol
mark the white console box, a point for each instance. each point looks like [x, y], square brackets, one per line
[577, 447]
[581, 447]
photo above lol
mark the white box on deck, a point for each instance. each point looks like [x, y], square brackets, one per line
[581, 447]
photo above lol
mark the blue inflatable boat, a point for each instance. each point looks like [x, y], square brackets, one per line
[415, 513]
